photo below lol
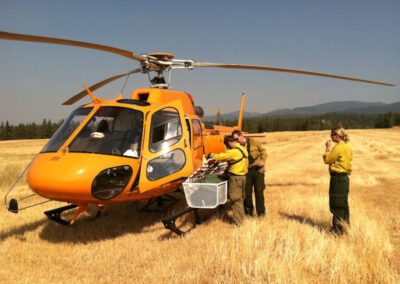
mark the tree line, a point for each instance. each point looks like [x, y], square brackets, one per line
[318, 122]
[29, 130]
[251, 125]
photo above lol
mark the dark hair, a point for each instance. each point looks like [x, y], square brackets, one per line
[228, 139]
[237, 132]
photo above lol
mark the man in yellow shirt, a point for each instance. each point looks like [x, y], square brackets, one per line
[255, 176]
[340, 166]
[237, 158]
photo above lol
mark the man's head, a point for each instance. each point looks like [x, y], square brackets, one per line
[229, 141]
[338, 134]
[238, 136]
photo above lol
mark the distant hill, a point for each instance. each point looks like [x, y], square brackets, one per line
[395, 107]
[344, 106]
[326, 108]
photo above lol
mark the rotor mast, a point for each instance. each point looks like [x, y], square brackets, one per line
[160, 63]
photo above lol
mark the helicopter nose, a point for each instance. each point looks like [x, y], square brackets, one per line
[80, 177]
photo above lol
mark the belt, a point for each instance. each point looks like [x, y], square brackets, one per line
[338, 174]
[255, 168]
[232, 174]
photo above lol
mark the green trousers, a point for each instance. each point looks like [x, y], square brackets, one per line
[254, 178]
[338, 201]
[236, 185]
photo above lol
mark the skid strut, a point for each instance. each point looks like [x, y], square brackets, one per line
[55, 214]
[169, 222]
[162, 203]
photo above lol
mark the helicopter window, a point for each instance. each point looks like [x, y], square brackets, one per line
[166, 164]
[66, 129]
[197, 137]
[111, 131]
[166, 129]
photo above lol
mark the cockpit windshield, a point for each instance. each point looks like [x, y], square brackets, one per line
[66, 129]
[111, 131]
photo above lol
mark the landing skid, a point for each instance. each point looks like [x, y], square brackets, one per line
[169, 222]
[55, 214]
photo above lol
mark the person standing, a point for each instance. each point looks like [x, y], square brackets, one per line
[339, 160]
[236, 156]
[255, 177]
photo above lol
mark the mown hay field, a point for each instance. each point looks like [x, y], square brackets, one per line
[291, 244]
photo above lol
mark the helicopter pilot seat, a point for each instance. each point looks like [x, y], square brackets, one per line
[103, 127]
[103, 130]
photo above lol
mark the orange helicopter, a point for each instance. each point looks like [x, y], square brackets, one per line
[128, 149]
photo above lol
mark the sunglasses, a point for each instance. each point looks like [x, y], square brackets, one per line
[333, 134]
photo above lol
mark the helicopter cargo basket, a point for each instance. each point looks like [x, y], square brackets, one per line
[202, 194]
[205, 195]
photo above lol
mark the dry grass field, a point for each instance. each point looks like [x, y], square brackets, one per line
[292, 244]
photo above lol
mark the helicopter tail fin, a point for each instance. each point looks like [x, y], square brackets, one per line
[220, 121]
[239, 126]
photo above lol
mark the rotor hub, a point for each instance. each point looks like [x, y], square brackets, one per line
[162, 55]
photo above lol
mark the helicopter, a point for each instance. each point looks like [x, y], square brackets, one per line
[129, 149]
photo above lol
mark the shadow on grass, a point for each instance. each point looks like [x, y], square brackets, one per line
[322, 226]
[21, 230]
[118, 220]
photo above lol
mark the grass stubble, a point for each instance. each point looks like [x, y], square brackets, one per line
[292, 244]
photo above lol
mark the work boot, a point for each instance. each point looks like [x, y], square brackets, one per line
[336, 232]
[248, 212]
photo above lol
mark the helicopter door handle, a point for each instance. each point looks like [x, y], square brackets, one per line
[184, 141]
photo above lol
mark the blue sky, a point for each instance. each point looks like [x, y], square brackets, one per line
[350, 38]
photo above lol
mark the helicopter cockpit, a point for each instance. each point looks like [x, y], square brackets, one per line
[110, 131]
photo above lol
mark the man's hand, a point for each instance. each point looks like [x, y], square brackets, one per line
[328, 145]
[261, 164]
[242, 140]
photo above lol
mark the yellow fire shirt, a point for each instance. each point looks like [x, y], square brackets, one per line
[233, 155]
[257, 151]
[340, 158]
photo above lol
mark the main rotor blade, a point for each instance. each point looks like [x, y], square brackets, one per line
[82, 94]
[52, 40]
[267, 68]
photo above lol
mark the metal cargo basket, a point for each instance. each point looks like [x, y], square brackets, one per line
[206, 195]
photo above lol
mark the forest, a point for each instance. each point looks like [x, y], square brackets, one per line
[317, 122]
[251, 125]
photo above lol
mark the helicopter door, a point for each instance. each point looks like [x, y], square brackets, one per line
[166, 155]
